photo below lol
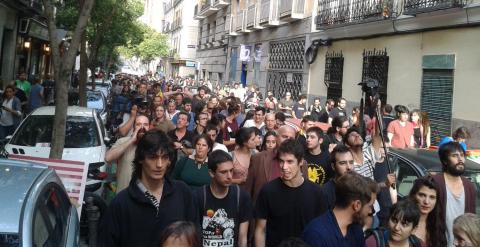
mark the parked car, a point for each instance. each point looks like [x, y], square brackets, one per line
[85, 136]
[35, 209]
[96, 100]
[410, 164]
[104, 86]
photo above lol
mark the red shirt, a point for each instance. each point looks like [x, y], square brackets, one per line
[402, 135]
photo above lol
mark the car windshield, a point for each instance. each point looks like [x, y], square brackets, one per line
[36, 130]
[9, 240]
[95, 101]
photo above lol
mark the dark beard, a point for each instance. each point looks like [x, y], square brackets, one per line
[452, 170]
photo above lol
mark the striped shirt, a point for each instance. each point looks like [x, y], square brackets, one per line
[369, 160]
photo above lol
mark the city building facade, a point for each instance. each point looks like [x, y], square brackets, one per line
[423, 54]
[212, 39]
[24, 40]
[266, 45]
[182, 30]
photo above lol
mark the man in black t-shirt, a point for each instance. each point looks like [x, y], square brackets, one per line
[339, 110]
[286, 204]
[224, 209]
[323, 116]
[319, 172]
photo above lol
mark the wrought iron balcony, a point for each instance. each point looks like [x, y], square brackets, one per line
[291, 10]
[334, 13]
[35, 5]
[413, 7]
[253, 17]
[269, 13]
[196, 15]
[207, 8]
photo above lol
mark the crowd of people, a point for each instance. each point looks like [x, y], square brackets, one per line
[225, 167]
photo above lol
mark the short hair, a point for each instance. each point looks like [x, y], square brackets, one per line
[217, 157]
[446, 149]
[351, 187]
[302, 96]
[401, 109]
[260, 108]
[340, 100]
[291, 146]
[187, 100]
[184, 113]
[243, 135]
[339, 149]
[206, 138]
[233, 107]
[387, 108]
[178, 230]
[461, 132]
[308, 118]
[211, 126]
[216, 119]
[197, 116]
[329, 101]
[317, 130]
[469, 224]
[338, 121]
[280, 116]
[153, 143]
[405, 210]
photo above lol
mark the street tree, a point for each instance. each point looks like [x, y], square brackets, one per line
[63, 58]
[153, 45]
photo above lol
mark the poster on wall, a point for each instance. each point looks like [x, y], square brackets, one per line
[258, 53]
[245, 53]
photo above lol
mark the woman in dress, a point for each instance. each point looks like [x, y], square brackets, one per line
[246, 142]
[193, 169]
[430, 230]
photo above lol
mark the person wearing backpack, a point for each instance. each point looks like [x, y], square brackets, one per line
[224, 209]
[404, 218]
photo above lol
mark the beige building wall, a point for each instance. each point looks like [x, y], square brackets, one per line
[405, 68]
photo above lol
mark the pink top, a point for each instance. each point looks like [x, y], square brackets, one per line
[402, 135]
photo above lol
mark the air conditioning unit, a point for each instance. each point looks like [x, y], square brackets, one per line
[23, 27]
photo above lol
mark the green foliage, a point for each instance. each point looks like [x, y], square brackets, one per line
[152, 45]
[113, 23]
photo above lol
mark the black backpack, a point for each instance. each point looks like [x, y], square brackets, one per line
[379, 235]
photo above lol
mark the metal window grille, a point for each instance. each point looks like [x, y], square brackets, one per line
[436, 100]
[375, 66]
[286, 64]
[334, 74]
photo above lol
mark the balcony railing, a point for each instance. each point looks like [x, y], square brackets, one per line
[292, 9]
[269, 13]
[220, 3]
[334, 13]
[421, 6]
[206, 8]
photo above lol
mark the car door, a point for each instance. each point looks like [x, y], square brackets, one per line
[51, 217]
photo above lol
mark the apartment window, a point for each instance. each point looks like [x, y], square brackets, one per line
[214, 27]
[334, 74]
[375, 66]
